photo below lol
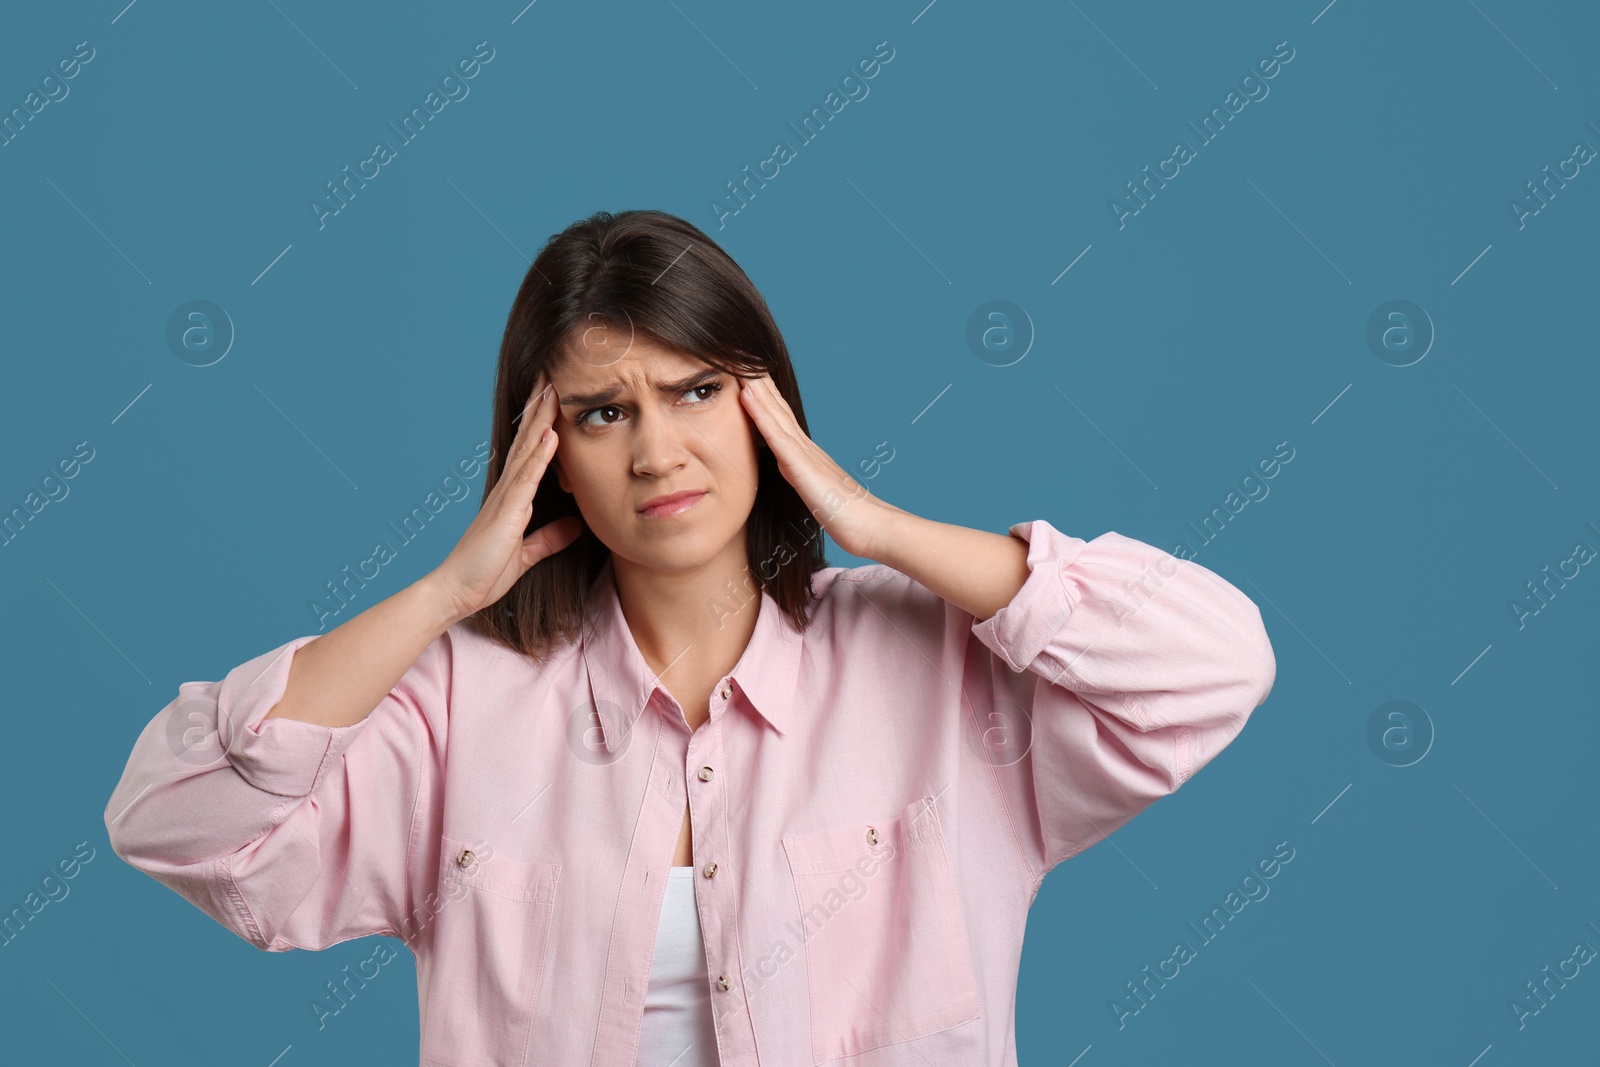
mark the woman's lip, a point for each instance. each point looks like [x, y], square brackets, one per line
[661, 511]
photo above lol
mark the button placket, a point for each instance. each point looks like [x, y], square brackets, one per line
[706, 811]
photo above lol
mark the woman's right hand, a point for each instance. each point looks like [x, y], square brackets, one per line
[493, 553]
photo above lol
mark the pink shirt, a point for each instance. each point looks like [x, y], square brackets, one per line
[874, 805]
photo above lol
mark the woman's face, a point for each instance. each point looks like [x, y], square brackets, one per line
[651, 422]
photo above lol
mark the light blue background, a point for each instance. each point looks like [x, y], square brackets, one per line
[1228, 315]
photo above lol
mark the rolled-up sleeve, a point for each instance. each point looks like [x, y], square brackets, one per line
[290, 834]
[1118, 671]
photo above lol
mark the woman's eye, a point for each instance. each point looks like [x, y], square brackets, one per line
[710, 388]
[715, 387]
[583, 417]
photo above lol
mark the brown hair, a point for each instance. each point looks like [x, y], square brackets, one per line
[655, 275]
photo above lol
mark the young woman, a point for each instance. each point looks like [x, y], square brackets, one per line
[635, 775]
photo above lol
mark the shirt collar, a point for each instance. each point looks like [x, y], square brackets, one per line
[622, 683]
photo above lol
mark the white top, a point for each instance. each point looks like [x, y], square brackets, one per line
[678, 1029]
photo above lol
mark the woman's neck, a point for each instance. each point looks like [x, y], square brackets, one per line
[689, 624]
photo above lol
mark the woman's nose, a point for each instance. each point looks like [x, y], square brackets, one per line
[658, 445]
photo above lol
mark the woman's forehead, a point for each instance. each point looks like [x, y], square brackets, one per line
[641, 360]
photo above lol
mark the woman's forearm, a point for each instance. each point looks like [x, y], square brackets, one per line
[977, 571]
[338, 679]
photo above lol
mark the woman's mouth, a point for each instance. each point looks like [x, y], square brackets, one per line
[672, 504]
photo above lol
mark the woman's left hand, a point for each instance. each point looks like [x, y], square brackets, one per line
[853, 517]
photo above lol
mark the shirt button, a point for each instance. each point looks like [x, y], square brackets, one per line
[711, 870]
[722, 981]
[705, 774]
[872, 835]
[465, 859]
[726, 690]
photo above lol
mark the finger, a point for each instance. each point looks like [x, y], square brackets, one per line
[535, 416]
[541, 451]
[524, 468]
[519, 482]
[520, 420]
[766, 390]
[770, 389]
[755, 406]
[755, 390]
[551, 538]
[541, 388]
[770, 410]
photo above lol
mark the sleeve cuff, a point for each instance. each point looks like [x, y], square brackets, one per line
[283, 756]
[1018, 632]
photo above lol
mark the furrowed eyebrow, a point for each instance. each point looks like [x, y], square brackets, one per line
[605, 396]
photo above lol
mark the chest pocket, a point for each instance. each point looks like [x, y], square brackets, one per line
[490, 948]
[886, 947]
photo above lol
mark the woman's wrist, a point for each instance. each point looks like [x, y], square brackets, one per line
[435, 593]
